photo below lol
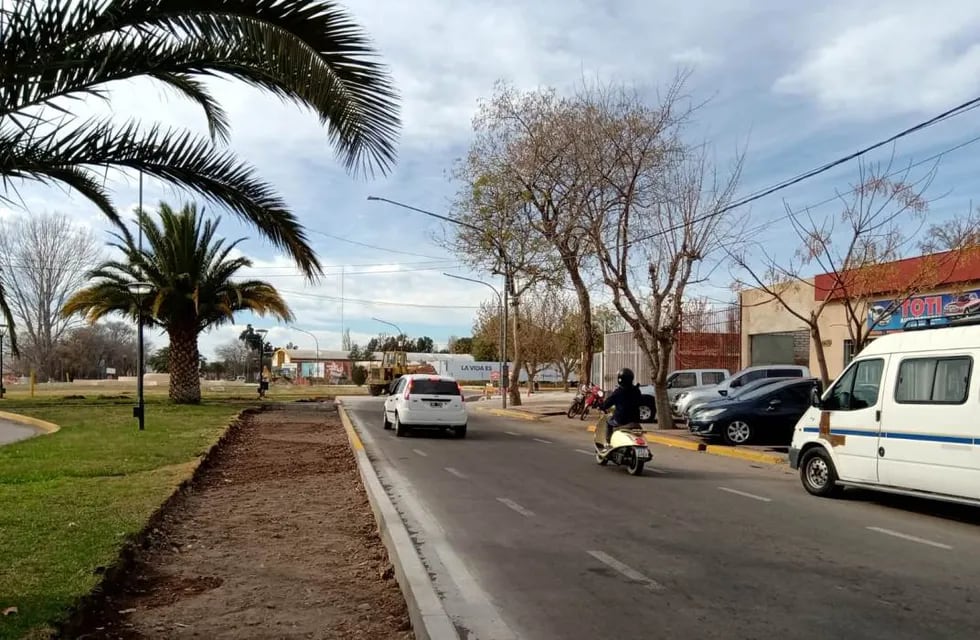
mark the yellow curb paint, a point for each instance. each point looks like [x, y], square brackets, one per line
[745, 454]
[514, 413]
[671, 441]
[46, 427]
[590, 428]
[355, 440]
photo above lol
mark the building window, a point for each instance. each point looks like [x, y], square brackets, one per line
[848, 352]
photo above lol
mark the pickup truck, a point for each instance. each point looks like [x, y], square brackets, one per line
[678, 381]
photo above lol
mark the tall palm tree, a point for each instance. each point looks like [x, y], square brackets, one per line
[307, 52]
[191, 274]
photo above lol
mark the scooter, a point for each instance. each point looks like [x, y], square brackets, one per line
[626, 446]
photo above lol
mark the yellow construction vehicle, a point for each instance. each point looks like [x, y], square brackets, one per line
[393, 365]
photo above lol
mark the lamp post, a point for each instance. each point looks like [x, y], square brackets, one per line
[316, 343]
[139, 289]
[261, 333]
[3, 333]
[503, 331]
[391, 324]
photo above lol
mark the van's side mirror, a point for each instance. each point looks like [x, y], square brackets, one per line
[815, 396]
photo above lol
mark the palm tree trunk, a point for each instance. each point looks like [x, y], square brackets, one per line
[185, 380]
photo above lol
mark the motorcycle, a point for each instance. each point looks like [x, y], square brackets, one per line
[593, 400]
[626, 446]
[578, 402]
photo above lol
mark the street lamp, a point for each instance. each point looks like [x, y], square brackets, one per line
[3, 332]
[398, 340]
[503, 333]
[315, 342]
[139, 289]
[261, 333]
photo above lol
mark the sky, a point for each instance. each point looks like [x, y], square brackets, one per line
[790, 86]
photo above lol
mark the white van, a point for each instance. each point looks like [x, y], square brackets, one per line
[901, 418]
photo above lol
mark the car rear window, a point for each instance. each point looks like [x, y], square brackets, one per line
[434, 387]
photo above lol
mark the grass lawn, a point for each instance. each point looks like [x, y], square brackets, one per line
[69, 500]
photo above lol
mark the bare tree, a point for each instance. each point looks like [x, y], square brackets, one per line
[495, 236]
[528, 139]
[44, 259]
[881, 221]
[657, 212]
[696, 315]
[236, 355]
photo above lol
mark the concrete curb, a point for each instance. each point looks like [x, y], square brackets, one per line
[46, 427]
[746, 454]
[513, 413]
[670, 441]
[429, 619]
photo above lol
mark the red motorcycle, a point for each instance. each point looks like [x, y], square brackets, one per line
[593, 400]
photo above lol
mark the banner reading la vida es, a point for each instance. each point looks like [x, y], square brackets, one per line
[483, 371]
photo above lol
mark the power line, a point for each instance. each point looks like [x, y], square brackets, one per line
[955, 111]
[376, 302]
[373, 246]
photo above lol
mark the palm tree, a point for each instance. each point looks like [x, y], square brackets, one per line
[307, 52]
[193, 290]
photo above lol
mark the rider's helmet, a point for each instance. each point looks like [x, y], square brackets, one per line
[625, 377]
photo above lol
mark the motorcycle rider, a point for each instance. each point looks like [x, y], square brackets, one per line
[626, 398]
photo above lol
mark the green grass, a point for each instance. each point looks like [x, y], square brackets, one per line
[68, 501]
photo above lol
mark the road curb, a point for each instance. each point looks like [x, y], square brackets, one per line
[46, 427]
[745, 454]
[671, 441]
[429, 619]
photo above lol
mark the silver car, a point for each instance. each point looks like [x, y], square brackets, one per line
[687, 400]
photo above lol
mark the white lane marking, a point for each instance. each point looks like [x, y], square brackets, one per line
[626, 570]
[746, 495]
[527, 513]
[511, 433]
[542, 441]
[458, 474]
[588, 453]
[905, 536]
[420, 452]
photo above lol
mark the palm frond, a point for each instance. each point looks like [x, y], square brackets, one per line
[171, 155]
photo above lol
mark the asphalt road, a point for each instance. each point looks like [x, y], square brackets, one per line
[527, 537]
[12, 432]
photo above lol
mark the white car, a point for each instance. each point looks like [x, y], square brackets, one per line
[425, 401]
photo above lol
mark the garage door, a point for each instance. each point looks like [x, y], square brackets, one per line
[773, 348]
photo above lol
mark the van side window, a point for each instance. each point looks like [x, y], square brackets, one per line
[684, 380]
[933, 380]
[857, 388]
[712, 377]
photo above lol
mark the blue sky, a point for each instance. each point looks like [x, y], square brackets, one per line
[793, 87]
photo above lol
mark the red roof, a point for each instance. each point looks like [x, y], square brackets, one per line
[922, 272]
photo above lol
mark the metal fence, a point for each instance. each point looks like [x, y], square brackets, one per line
[710, 340]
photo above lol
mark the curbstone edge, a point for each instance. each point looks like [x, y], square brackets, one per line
[429, 618]
[46, 427]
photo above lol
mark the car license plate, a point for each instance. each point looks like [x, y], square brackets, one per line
[435, 404]
[642, 452]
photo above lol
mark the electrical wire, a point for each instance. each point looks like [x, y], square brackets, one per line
[372, 246]
[375, 302]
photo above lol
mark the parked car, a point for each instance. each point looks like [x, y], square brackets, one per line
[771, 410]
[901, 418]
[677, 382]
[421, 400]
[699, 395]
[738, 392]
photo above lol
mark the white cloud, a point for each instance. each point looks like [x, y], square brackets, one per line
[922, 58]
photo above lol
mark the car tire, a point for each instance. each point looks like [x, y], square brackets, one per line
[400, 429]
[737, 432]
[818, 474]
[387, 423]
[648, 410]
[459, 432]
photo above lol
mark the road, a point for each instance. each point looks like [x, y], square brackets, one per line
[12, 432]
[527, 537]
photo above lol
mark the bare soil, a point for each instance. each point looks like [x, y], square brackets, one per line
[275, 540]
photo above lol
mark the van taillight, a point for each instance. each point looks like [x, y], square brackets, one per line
[408, 389]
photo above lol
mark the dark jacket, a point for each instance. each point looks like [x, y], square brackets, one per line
[627, 403]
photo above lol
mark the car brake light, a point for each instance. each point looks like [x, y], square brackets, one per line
[640, 442]
[408, 389]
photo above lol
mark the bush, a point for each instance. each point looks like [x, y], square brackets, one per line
[359, 375]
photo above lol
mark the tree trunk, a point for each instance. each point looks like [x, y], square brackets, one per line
[585, 306]
[515, 372]
[185, 381]
[821, 356]
[665, 418]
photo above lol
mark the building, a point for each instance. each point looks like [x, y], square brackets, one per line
[944, 284]
[335, 365]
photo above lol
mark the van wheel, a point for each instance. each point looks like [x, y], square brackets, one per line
[737, 432]
[818, 474]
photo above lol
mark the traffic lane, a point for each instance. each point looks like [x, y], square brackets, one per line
[698, 541]
[13, 432]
